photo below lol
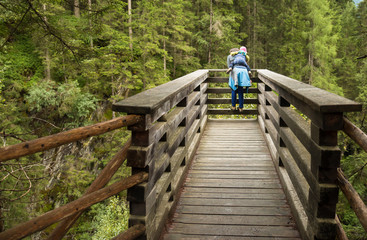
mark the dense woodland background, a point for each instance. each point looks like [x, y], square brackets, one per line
[64, 62]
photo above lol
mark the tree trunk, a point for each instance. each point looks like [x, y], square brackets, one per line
[254, 37]
[164, 57]
[76, 9]
[90, 21]
[210, 30]
[47, 54]
[130, 28]
[310, 63]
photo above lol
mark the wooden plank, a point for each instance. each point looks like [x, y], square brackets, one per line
[229, 101]
[220, 190]
[228, 90]
[234, 168]
[229, 184]
[225, 80]
[313, 97]
[233, 202]
[233, 230]
[231, 112]
[232, 210]
[149, 101]
[235, 220]
[213, 195]
[177, 236]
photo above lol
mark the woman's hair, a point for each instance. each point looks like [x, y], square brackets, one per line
[234, 50]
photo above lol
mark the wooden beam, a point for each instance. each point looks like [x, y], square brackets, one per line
[56, 140]
[340, 233]
[131, 233]
[103, 178]
[355, 134]
[36, 224]
[354, 199]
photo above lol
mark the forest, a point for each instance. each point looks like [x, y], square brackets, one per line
[63, 63]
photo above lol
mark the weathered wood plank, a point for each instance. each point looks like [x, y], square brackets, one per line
[231, 210]
[177, 236]
[233, 202]
[233, 230]
[151, 100]
[229, 101]
[225, 80]
[228, 90]
[231, 112]
[310, 96]
[213, 195]
[219, 190]
[235, 220]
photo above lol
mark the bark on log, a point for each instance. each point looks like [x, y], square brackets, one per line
[103, 178]
[131, 233]
[53, 216]
[340, 233]
[354, 199]
[56, 140]
[355, 134]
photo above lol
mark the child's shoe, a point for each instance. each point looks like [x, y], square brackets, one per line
[240, 110]
[233, 108]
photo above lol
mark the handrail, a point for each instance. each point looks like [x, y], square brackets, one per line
[53, 216]
[70, 212]
[355, 201]
[56, 140]
[305, 152]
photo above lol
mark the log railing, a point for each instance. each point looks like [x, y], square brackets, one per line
[305, 151]
[355, 201]
[97, 192]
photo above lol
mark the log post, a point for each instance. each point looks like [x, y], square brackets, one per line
[325, 159]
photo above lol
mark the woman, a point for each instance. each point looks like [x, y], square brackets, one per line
[239, 78]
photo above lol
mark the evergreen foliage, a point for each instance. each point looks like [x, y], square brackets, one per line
[63, 65]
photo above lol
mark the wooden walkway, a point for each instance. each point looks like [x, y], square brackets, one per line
[232, 190]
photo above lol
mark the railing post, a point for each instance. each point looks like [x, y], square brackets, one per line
[325, 159]
[141, 197]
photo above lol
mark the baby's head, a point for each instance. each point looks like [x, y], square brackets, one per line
[243, 48]
[242, 52]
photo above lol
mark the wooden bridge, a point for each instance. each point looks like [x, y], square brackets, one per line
[272, 176]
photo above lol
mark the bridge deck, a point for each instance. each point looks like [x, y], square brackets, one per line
[232, 190]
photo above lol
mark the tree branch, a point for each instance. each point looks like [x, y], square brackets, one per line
[46, 122]
[48, 29]
[16, 27]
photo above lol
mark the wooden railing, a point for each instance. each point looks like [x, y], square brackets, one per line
[163, 145]
[304, 148]
[97, 192]
[167, 122]
[355, 201]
